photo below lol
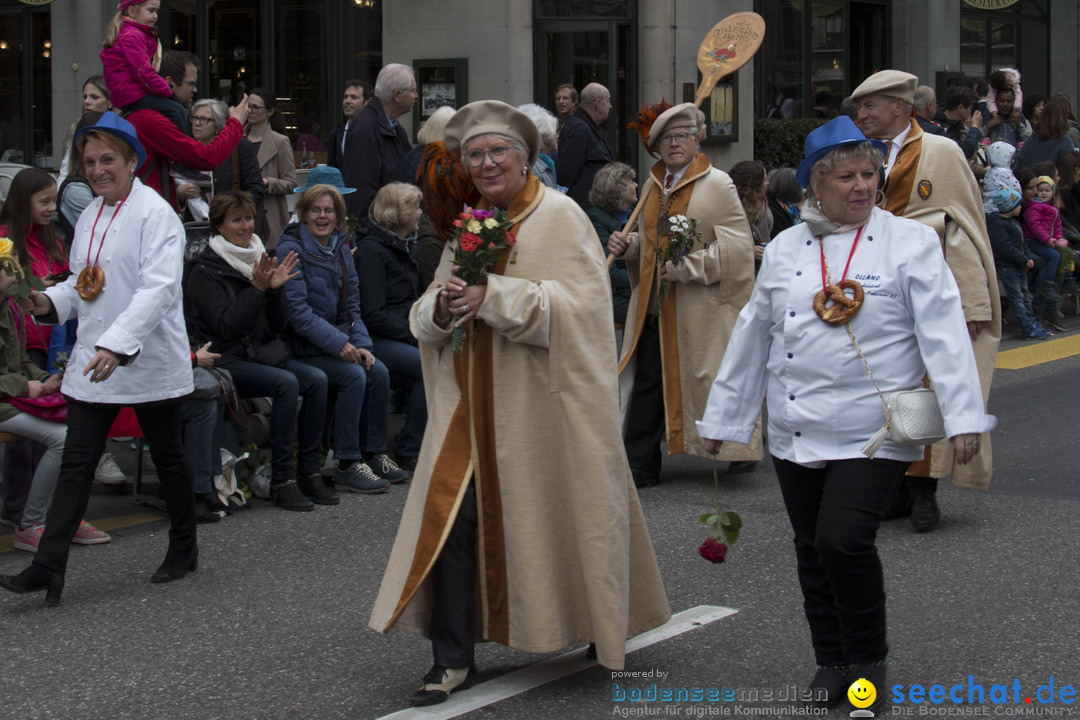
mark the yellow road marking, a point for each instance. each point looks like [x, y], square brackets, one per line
[106, 524]
[1043, 352]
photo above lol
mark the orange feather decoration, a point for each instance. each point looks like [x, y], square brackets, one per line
[645, 119]
[447, 187]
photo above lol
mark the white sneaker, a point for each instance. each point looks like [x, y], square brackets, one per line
[108, 472]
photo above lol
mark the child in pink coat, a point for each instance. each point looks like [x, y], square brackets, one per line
[1042, 222]
[128, 57]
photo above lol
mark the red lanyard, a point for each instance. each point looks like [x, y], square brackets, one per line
[93, 230]
[821, 244]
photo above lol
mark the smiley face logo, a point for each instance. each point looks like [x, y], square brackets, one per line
[862, 693]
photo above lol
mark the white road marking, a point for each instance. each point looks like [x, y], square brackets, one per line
[573, 661]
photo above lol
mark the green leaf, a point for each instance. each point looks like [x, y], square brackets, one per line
[730, 521]
[731, 536]
[710, 518]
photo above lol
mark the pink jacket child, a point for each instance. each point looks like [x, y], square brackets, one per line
[128, 65]
[1042, 221]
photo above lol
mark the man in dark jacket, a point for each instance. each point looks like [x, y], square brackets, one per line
[356, 96]
[375, 141]
[962, 123]
[582, 147]
[924, 102]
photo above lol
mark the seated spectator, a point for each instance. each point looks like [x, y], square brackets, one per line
[1000, 157]
[613, 195]
[234, 300]
[21, 379]
[200, 422]
[239, 172]
[326, 331]
[1002, 209]
[785, 199]
[389, 280]
[1042, 230]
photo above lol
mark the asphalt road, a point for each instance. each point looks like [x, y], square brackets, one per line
[274, 623]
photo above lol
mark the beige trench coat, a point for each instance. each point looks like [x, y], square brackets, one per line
[711, 285]
[575, 560]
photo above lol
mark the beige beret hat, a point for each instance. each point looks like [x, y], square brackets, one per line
[892, 83]
[684, 115]
[491, 116]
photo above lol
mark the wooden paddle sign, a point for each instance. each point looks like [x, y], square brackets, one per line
[728, 46]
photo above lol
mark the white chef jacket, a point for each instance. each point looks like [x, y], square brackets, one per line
[139, 311]
[822, 403]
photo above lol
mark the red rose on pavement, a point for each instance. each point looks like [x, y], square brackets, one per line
[713, 551]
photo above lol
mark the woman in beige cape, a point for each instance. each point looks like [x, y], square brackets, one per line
[522, 524]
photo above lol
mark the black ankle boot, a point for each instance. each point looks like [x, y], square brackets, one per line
[33, 579]
[316, 489]
[287, 496]
[176, 566]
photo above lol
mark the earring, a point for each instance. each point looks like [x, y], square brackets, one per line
[880, 200]
[524, 172]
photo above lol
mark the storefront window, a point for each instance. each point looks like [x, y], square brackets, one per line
[26, 88]
[780, 60]
[827, 58]
[301, 81]
[235, 58]
[362, 36]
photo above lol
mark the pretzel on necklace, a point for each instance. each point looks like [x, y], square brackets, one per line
[90, 282]
[843, 307]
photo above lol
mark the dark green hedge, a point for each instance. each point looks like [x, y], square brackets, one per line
[779, 143]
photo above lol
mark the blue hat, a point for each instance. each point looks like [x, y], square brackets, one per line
[1005, 198]
[325, 175]
[113, 123]
[838, 131]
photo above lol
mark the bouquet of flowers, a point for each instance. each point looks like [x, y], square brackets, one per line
[480, 234]
[681, 239]
[27, 280]
[724, 524]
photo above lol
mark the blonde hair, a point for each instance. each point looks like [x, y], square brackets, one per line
[435, 125]
[112, 30]
[395, 205]
[313, 193]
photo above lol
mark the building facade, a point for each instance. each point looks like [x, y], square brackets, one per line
[814, 53]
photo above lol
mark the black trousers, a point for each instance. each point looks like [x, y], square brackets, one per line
[453, 619]
[835, 512]
[88, 427]
[645, 420]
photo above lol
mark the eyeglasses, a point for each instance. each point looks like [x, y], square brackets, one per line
[322, 211]
[680, 138]
[201, 120]
[192, 83]
[476, 158]
[255, 108]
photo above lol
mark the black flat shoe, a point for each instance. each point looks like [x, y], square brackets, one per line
[829, 686]
[439, 682]
[171, 570]
[34, 579]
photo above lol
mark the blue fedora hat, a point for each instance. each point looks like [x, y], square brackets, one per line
[113, 123]
[838, 131]
[325, 175]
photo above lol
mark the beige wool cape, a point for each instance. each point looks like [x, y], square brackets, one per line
[932, 183]
[707, 289]
[563, 552]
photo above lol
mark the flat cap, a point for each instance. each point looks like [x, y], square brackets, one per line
[892, 83]
[491, 116]
[684, 115]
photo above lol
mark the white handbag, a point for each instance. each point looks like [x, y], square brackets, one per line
[912, 417]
